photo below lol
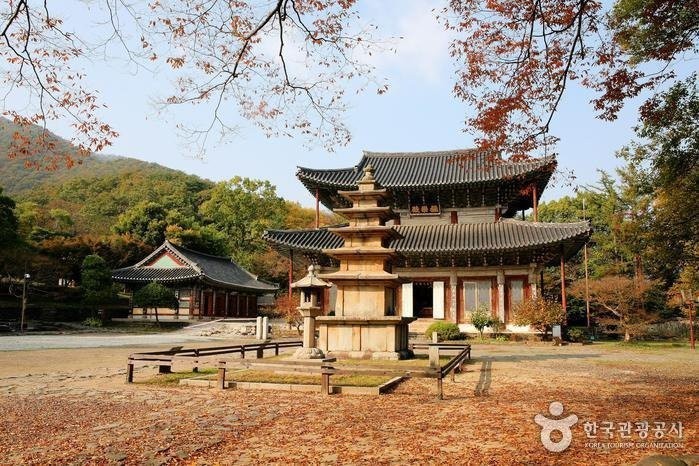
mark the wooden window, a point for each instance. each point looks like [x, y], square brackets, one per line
[517, 290]
[478, 293]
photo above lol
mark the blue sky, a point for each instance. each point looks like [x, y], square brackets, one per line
[418, 113]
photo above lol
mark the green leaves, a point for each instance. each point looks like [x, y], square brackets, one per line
[242, 209]
[96, 281]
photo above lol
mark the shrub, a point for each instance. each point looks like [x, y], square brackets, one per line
[92, 322]
[540, 313]
[497, 326]
[481, 318]
[445, 331]
[578, 335]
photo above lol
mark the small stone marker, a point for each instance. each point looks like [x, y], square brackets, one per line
[258, 329]
[265, 328]
[435, 337]
[556, 331]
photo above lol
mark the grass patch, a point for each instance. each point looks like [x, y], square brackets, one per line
[302, 379]
[420, 360]
[165, 380]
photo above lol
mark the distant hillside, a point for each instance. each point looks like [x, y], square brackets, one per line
[16, 179]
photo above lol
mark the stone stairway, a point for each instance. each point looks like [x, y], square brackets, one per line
[417, 329]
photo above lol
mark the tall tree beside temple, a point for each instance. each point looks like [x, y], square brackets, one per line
[669, 145]
[243, 209]
[96, 282]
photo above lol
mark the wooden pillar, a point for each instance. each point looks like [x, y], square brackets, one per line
[454, 217]
[317, 209]
[237, 305]
[535, 203]
[213, 304]
[226, 307]
[563, 281]
[291, 272]
[201, 302]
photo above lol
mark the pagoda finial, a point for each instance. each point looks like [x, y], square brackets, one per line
[368, 173]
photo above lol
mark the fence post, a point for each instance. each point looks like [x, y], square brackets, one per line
[325, 383]
[196, 361]
[129, 372]
[434, 356]
[325, 370]
[222, 374]
[276, 349]
[440, 393]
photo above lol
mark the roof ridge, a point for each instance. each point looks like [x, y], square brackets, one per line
[225, 258]
[352, 168]
[540, 224]
[431, 153]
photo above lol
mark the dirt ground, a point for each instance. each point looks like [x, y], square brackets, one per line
[71, 406]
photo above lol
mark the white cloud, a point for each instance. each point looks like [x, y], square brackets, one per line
[421, 44]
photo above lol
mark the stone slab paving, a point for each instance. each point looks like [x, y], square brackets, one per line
[33, 342]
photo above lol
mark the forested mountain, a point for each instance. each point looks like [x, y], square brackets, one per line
[122, 208]
[16, 178]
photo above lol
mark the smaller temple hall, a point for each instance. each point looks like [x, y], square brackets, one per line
[207, 286]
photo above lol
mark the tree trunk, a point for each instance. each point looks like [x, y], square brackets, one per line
[627, 335]
[156, 316]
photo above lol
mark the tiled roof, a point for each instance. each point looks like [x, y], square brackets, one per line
[216, 269]
[485, 237]
[150, 274]
[447, 238]
[421, 169]
[304, 240]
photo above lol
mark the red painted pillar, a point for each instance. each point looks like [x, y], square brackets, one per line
[317, 209]
[563, 282]
[291, 271]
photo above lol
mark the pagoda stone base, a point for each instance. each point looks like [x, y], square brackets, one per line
[308, 353]
[364, 338]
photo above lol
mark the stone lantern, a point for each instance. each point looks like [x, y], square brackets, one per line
[310, 307]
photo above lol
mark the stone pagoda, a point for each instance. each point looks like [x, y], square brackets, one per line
[365, 324]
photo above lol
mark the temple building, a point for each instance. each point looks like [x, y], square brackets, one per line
[457, 243]
[207, 286]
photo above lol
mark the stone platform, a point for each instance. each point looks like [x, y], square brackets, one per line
[383, 337]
